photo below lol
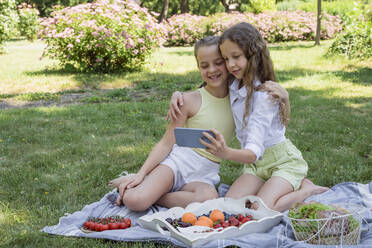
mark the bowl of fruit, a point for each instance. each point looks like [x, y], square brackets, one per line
[220, 218]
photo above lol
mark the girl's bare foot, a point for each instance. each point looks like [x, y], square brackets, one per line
[255, 206]
[309, 188]
[250, 205]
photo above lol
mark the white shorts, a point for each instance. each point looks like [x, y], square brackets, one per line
[188, 166]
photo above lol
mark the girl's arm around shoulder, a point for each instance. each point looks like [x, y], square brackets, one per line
[165, 145]
[191, 105]
[265, 102]
[176, 102]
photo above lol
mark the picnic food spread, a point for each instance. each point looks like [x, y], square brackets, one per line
[215, 219]
[108, 223]
[221, 218]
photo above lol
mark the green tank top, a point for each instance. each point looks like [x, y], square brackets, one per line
[214, 113]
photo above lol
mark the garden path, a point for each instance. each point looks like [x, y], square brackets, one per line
[66, 99]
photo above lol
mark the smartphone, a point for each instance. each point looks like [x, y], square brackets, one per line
[189, 137]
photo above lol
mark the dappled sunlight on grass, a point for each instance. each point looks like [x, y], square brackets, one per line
[10, 216]
[24, 72]
[55, 160]
[357, 105]
[125, 149]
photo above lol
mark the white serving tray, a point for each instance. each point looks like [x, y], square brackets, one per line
[264, 219]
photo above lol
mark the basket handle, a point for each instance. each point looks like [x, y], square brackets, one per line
[364, 229]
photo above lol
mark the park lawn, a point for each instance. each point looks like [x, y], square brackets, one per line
[55, 160]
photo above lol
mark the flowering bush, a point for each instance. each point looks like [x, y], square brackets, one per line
[28, 21]
[185, 29]
[280, 25]
[8, 19]
[106, 35]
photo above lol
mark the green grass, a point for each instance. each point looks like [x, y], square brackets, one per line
[55, 160]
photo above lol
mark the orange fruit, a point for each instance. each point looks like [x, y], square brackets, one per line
[205, 218]
[216, 215]
[189, 218]
[202, 222]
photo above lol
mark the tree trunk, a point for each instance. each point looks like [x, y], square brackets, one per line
[184, 6]
[164, 11]
[226, 5]
[319, 15]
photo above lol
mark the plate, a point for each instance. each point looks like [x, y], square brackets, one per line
[264, 219]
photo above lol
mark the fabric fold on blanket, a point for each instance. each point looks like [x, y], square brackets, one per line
[279, 236]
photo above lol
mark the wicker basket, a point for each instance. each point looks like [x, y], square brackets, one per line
[337, 229]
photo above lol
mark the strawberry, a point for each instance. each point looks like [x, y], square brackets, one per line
[217, 226]
[233, 221]
[225, 224]
[240, 217]
[245, 219]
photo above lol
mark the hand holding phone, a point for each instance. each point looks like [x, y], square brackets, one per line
[190, 137]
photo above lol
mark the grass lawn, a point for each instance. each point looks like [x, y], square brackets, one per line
[55, 160]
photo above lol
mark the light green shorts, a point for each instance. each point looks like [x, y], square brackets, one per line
[283, 160]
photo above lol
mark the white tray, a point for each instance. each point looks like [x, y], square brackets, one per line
[264, 219]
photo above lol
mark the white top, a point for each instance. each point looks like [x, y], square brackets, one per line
[264, 128]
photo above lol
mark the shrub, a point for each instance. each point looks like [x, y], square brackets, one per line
[340, 7]
[8, 20]
[102, 36]
[185, 29]
[291, 5]
[28, 21]
[336, 7]
[259, 6]
[354, 43]
[219, 22]
[356, 40]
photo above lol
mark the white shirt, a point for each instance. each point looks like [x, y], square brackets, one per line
[264, 128]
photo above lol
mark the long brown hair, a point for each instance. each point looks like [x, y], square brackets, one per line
[259, 65]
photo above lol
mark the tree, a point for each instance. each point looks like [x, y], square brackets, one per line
[317, 36]
[226, 5]
[164, 11]
[184, 6]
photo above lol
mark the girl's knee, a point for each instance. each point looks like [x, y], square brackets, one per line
[206, 193]
[233, 194]
[135, 201]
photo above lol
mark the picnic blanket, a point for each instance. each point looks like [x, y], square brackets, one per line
[278, 236]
